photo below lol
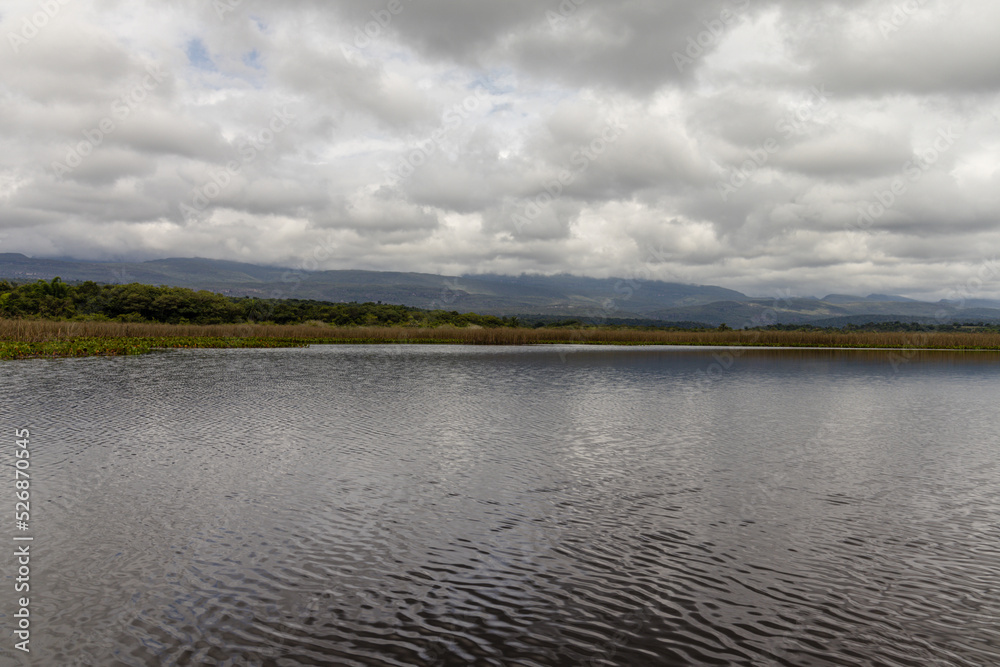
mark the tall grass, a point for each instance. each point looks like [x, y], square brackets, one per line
[39, 331]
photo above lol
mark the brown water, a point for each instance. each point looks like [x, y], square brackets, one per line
[509, 506]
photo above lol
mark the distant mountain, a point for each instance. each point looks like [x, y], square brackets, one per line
[888, 297]
[493, 294]
[849, 298]
[560, 296]
[973, 303]
[842, 298]
[755, 312]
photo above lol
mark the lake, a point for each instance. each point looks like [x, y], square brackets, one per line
[443, 505]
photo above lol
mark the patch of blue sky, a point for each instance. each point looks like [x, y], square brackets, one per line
[493, 82]
[198, 56]
[252, 59]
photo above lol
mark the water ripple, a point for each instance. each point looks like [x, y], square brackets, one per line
[489, 506]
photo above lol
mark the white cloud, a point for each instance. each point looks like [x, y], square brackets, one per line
[416, 145]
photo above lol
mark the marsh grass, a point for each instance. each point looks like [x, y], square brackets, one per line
[40, 338]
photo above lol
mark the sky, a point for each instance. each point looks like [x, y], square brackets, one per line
[775, 147]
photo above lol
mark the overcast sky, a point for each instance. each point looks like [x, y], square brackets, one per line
[769, 146]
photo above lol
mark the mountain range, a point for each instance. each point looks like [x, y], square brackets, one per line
[588, 299]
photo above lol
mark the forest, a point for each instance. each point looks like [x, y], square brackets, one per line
[136, 303]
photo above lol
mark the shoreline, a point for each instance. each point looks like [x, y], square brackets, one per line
[78, 347]
[27, 339]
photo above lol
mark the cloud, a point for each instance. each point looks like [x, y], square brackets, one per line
[743, 143]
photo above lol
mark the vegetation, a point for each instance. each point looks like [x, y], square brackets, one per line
[109, 347]
[54, 319]
[39, 338]
[178, 305]
[916, 327]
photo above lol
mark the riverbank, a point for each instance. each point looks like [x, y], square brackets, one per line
[21, 339]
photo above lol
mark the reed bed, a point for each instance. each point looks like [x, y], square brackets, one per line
[48, 338]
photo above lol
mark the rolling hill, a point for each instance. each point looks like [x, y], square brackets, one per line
[588, 299]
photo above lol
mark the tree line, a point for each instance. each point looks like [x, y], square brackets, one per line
[135, 302]
[57, 300]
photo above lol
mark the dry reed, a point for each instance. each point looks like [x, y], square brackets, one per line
[46, 331]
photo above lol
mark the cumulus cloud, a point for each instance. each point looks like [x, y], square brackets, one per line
[763, 145]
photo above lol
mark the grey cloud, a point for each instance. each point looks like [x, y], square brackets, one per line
[110, 164]
[552, 77]
[886, 48]
[627, 45]
[847, 155]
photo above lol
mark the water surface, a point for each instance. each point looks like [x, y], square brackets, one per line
[439, 505]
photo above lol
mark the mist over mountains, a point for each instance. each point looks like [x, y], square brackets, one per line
[588, 299]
